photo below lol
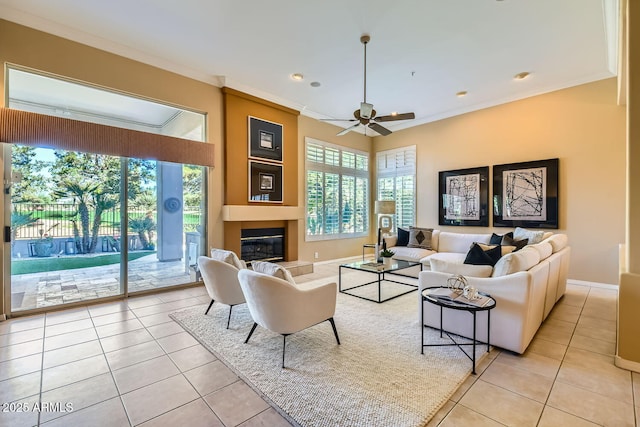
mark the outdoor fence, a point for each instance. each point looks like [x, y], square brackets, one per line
[56, 219]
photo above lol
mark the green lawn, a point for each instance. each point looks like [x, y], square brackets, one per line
[39, 265]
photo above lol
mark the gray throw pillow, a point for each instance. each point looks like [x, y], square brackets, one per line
[420, 237]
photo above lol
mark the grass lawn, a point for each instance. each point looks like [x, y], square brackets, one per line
[38, 265]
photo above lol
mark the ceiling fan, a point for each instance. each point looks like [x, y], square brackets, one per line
[366, 115]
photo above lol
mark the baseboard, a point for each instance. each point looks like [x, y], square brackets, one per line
[626, 364]
[3, 317]
[591, 284]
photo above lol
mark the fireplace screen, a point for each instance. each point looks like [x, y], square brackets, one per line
[262, 244]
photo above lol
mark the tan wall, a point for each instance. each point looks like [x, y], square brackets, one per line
[27, 47]
[582, 126]
[329, 249]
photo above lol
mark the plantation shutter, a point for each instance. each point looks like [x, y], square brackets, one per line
[396, 178]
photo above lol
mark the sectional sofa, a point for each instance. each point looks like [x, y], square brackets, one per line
[526, 284]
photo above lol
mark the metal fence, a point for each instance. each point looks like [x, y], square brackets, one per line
[56, 219]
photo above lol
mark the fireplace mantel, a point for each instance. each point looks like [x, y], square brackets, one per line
[261, 213]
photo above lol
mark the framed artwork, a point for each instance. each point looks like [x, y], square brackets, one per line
[265, 140]
[464, 197]
[526, 194]
[265, 182]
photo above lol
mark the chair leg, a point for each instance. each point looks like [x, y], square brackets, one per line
[251, 332]
[209, 308]
[335, 331]
[284, 346]
[229, 319]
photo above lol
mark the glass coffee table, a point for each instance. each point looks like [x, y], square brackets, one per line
[382, 271]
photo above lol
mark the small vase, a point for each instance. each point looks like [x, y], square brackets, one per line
[387, 261]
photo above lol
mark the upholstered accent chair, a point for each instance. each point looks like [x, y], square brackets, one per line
[284, 308]
[221, 281]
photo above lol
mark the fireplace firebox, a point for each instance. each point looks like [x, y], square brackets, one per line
[262, 244]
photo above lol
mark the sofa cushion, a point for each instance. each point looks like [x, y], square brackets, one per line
[229, 257]
[403, 237]
[419, 237]
[557, 241]
[496, 239]
[478, 256]
[460, 242]
[468, 270]
[274, 270]
[518, 244]
[504, 249]
[410, 254]
[516, 261]
[543, 248]
[534, 236]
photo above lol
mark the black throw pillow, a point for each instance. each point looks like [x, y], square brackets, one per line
[403, 237]
[496, 239]
[478, 256]
[509, 241]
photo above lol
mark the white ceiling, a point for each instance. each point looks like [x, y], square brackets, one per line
[422, 52]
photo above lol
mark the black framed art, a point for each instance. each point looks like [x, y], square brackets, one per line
[526, 194]
[265, 182]
[265, 139]
[464, 197]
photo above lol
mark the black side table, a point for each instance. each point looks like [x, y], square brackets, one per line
[453, 305]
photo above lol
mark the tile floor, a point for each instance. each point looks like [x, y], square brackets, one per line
[127, 363]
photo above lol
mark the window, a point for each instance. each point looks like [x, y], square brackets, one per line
[337, 191]
[396, 177]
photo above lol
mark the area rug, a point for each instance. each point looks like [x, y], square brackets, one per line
[376, 377]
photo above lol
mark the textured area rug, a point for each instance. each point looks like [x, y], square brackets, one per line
[377, 377]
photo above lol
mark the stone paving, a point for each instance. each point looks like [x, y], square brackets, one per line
[37, 290]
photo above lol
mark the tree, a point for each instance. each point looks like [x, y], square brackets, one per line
[32, 188]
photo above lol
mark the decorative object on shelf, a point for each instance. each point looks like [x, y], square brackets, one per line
[526, 194]
[265, 140]
[386, 255]
[385, 209]
[457, 283]
[464, 197]
[265, 182]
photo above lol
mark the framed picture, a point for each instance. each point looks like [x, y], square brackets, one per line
[526, 194]
[265, 182]
[265, 140]
[464, 197]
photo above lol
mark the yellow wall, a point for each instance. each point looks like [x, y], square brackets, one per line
[583, 126]
[27, 47]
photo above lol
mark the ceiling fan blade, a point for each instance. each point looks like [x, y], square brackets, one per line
[393, 117]
[365, 110]
[347, 130]
[338, 120]
[380, 129]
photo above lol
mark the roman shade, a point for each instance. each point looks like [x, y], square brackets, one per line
[40, 130]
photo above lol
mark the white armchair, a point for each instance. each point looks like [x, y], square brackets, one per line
[221, 281]
[281, 307]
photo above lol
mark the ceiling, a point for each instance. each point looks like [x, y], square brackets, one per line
[422, 52]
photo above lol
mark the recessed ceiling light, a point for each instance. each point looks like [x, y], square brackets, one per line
[461, 93]
[315, 84]
[521, 76]
[297, 76]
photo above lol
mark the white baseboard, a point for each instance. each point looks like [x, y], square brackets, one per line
[3, 317]
[591, 284]
[626, 364]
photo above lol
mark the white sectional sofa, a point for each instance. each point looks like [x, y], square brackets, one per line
[526, 284]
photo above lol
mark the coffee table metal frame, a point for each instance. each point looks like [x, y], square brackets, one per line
[452, 305]
[382, 277]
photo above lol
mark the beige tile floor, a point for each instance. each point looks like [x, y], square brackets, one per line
[127, 363]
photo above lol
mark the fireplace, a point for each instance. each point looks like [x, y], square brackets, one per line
[262, 244]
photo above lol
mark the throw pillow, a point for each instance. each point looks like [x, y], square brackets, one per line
[496, 239]
[227, 256]
[477, 256]
[534, 236]
[420, 237]
[519, 244]
[274, 270]
[504, 249]
[403, 237]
